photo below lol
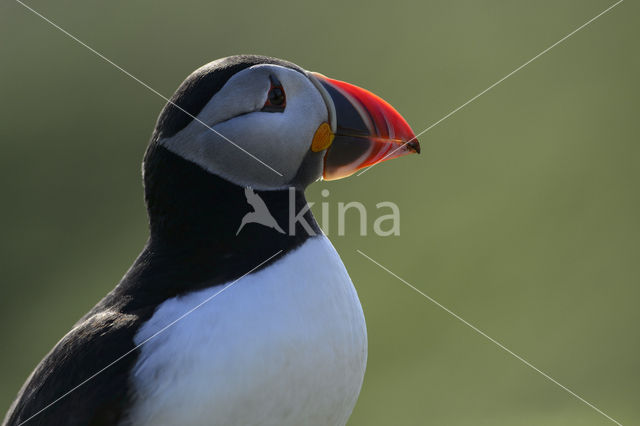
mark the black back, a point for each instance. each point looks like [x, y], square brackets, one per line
[194, 216]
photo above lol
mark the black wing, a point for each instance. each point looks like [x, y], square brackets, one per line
[91, 345]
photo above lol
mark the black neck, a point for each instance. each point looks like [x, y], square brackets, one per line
[189, 206]
[194, 216]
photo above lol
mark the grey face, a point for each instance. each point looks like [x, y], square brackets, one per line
[280, 137]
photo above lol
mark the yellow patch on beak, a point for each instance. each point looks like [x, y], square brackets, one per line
[323, 138]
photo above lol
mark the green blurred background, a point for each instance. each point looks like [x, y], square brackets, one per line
[522, 215]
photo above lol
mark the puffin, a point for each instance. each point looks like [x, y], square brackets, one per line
[238, 310]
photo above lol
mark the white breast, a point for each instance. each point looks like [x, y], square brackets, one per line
[286, 345]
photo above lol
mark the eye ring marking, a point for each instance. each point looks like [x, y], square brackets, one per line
[276, 98]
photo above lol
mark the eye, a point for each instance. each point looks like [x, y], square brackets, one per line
[276, 98]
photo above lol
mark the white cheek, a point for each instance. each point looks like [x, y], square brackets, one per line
[281, 140]
[263, 150]
[237, 97]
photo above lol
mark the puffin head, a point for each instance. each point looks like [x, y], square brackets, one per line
[268, 124]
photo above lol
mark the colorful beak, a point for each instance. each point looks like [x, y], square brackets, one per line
[367, 130]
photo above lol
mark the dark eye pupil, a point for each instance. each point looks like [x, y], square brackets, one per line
[276, 96]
